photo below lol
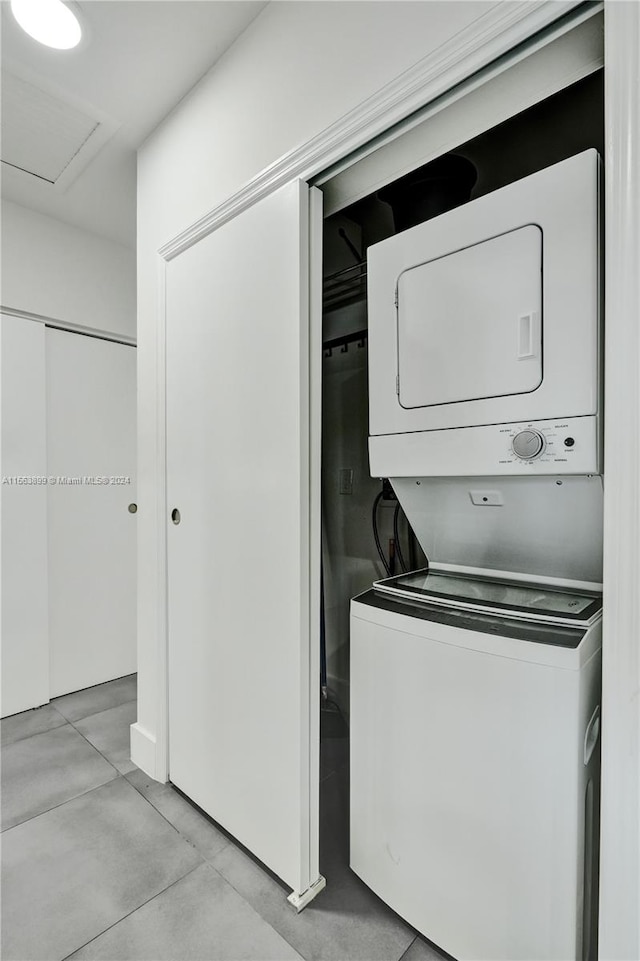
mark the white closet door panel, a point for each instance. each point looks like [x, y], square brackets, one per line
[238, 562]
[91, 421]
[25, 651]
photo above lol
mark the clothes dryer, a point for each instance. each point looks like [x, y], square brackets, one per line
[484, 333]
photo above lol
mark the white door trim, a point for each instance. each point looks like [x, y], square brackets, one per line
[315, 497]
[620, 816]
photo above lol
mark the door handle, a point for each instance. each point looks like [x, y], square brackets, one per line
[132, 508]
[528, 336]
[175, 516]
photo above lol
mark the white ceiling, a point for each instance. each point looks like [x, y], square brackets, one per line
[140, 59]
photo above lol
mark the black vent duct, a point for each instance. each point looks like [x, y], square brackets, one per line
[430, 190]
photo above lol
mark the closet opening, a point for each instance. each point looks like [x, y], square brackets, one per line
[365, 534]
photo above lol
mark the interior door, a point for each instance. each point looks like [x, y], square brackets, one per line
[91, 451]
[25, 641]
[242, 502]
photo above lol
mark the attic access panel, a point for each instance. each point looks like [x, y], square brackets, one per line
[48, 137]
[470, 322]
[40, 133]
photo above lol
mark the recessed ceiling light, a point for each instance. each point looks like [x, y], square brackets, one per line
[50, 22]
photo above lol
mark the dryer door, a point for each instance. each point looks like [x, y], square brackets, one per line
[469, 323]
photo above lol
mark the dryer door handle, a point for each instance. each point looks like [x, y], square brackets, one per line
[528, 335]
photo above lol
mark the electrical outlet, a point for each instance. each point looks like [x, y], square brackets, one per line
[346, 480]
[482, 498]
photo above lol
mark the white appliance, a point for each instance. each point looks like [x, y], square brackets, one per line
[475, 684]
[484, 333]
[474, 761]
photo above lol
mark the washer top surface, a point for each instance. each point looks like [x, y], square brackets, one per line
[497, 596]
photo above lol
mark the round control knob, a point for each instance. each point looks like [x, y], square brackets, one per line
[528, 444]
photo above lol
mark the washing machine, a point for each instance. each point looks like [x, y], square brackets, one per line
[475, 759]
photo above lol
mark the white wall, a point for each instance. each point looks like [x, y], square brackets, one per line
[298, 68]
[59, 271]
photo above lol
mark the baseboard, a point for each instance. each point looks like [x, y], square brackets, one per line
[143, 749]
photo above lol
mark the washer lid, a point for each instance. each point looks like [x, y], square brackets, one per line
[531, 529]
[502, 597]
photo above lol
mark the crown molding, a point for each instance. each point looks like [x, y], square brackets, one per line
[484, 40]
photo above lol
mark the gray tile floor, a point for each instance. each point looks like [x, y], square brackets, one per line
[101, 862]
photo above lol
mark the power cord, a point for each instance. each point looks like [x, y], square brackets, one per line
[374, 524]
[396, 537]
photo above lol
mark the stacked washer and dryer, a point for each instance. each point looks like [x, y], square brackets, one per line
[475, 683]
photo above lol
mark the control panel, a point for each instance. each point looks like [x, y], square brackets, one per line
[559, 443]
[563, 446]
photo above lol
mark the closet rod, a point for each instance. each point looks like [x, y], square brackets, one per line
[345, 287]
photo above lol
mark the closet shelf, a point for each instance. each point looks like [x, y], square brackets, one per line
[345, 287]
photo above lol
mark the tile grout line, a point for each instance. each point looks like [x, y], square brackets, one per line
[82, 793]
[252, 908]
[47, 730]
[65, 720]
[94, 687]
[177, 830]
[226, 880]
[91, 744]
[59, 713]
[255, 909]
[204, 860]
[132, 700]
[133, 911]
[62, 803]
[405, 953]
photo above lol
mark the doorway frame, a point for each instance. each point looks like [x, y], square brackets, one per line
[496, 34]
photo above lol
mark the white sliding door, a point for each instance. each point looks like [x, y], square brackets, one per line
[243, 664]
[91, 450]
[25, 650]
